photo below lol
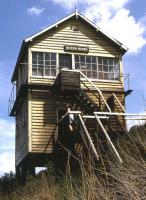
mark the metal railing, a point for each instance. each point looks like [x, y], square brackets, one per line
[12, 99]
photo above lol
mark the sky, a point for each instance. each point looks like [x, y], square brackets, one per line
[125, 20]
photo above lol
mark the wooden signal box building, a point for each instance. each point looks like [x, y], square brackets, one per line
[71, 68]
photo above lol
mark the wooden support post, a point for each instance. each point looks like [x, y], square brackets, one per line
[31, 171]
[108, 138]
[89, 138]
[18, 174]
[23, 173]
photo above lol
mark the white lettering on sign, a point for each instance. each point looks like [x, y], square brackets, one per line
[76, 48]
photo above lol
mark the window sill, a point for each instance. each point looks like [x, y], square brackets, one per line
[102, 80]
[91, 79]
[44, 77]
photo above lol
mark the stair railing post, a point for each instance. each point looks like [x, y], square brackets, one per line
[108, 138]
[119, 102]
[88, 136]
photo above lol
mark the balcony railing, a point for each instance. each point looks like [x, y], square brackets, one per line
[12, 99]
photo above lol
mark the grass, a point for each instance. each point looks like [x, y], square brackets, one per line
[110, 181]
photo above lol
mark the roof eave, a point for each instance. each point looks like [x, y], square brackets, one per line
[50, 27]
[18, 60]
[27, 40]
[106, 34]
[124, 48]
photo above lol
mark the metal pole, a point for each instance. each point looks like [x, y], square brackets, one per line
[108, 138]
[135, 118]
[122, 114]
[88, 136]
[93, 117]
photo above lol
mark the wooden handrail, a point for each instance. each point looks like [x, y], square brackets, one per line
[119, 102]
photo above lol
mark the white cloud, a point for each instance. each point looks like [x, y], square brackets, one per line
[113, 17]
[35, 11]
[7, 162]
[124, 27]
[7, 138]
[139, 120]
[7, 128]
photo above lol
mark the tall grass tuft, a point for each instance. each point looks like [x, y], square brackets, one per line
[109, 181]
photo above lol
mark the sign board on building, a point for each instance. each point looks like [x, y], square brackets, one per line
[76, 49]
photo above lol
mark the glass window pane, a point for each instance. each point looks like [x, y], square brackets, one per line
[99, 67]
[105, 68]
[82, 66]
[82, 59]
[94, 75]
[105, 61]
[47, 63]
[88, 59]
[94, 67]
[34, 71]
[77, 66]
[34, 61]
[88, 66]
[47, 72]
[94, 60]
[40, 56]
[76, 58]
[47, 56]
[106, 76]
[53, 62]
[100, 75]
[111, 68]
[40, 62]
[116, 68]
[111, 76]
[117, 76]
[40, 71]
[99, 60]
[34, 55]
[110, 61]
[89, 75]
[53, 72]
[53, 56]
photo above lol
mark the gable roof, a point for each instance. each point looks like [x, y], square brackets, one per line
[75, 14]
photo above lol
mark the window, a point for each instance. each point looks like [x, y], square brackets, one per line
[108, 68]
[43, 64]
[65, 61]
[98, 67]
[87, 64]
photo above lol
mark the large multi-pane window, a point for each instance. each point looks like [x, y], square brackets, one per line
[98, 67]
[108, 69]
[43, 64]
[87, 64]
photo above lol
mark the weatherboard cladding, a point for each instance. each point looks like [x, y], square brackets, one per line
[42, 105]
[21, 133]
[55, 40]
[120, 47]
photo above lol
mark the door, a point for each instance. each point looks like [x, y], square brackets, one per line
[65, 61]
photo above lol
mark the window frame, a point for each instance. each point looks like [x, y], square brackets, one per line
[103, 72]
[44, 66]
[74, 66]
